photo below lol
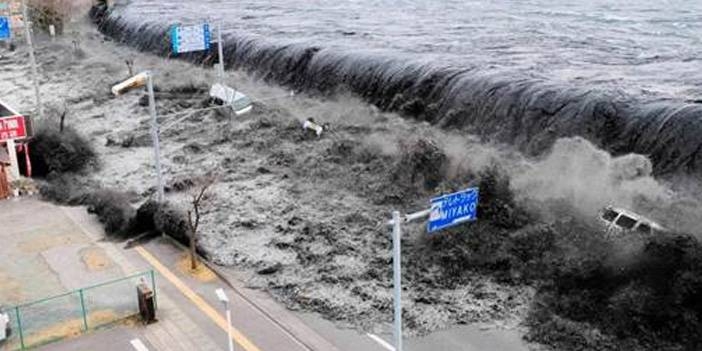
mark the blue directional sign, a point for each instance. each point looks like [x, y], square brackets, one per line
[190, 38]
[453, 209]
[5, 32]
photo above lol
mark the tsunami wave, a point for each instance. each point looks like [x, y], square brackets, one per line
[529, 113]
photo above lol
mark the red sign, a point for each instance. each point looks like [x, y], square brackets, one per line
[13, 127]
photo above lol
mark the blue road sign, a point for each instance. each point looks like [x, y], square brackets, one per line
[5, 32]
[190, 38]
[453, 209]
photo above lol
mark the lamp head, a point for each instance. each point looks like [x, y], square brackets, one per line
[137, 81]
[222, 296]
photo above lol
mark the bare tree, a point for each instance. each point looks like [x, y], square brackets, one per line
[194, 216]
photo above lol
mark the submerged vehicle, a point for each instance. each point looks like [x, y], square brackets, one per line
[235, 102]
[619, 220]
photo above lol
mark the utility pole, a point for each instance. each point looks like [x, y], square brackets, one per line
[154, 134]
[32, 59]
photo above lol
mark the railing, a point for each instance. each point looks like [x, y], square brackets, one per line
[58, 317]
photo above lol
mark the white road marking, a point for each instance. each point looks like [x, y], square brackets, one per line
[380, 341]
[138, 345]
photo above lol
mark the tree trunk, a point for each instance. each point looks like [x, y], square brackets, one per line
[193, 253]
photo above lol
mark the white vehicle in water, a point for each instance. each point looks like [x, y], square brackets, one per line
[619, 220]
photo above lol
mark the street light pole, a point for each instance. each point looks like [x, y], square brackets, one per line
[138, 81]
[229, 326]
[32, 59]
[225, 301]
[397, 277]
[154, 135]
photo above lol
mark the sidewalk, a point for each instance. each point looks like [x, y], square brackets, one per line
[175, 330]
[190, 316]
[269, 325]
[65, 249]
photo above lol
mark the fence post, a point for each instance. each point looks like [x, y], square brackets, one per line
[82, 308]
[19, 327]
[153, 287]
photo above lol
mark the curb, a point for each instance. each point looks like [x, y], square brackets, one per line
[252, 301]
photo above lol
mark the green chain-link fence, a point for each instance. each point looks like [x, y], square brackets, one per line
[58, 317]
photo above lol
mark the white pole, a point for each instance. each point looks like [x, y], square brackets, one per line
[14, 165]
[397, 276]
[220, 52]
[229, 327]
[32, 59]
[154, 135]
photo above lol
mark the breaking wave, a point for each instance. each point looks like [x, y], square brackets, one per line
[528, 113]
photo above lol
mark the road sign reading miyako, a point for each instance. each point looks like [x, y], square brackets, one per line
[453, 209]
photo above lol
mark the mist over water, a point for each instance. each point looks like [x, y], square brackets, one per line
[624, 75]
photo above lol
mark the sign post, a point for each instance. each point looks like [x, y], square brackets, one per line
[446, 211]
[198, 38]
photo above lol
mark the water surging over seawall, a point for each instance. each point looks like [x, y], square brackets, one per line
[507, 107]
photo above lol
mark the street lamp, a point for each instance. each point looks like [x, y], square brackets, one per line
[225, 301]
[139, 80]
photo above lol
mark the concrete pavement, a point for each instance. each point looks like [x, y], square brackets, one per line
[48, 250]
[114, 339]
[190, 317]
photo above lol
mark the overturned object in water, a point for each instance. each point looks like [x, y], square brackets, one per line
[226, 96]
[138, 80]
[311, 125]
[618, 221]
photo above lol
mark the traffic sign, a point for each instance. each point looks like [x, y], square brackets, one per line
[5, 32]
[446, 211]
[13, 127]
[453, 209]
[190, 38]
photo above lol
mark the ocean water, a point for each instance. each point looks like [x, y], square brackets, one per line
[626, 75]
[641, 47]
